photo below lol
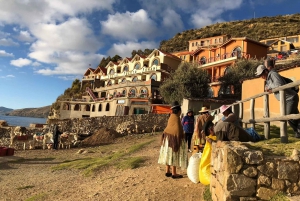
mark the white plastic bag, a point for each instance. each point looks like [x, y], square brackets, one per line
[193, 167]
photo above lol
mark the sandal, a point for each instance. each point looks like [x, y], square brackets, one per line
[177, 176]
[168, 174]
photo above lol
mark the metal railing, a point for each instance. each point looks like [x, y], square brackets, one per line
[225, 56]
[266, 119]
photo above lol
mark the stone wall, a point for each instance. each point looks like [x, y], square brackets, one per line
[242, 174]
[141, 123]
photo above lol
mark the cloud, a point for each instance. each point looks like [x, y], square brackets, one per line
[36, 64]
[172, 21]
[125, 49]
[7, 42]
[130, 26]
[7, 76]
[20, 62]
[25, 36]
[31, 12]
[3, 53]
[210, 12]
[71, 63]
[69, 77]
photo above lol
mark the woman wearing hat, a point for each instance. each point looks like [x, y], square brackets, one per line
[203, 117]
[173, 150]
[188, 127]
[229, 116]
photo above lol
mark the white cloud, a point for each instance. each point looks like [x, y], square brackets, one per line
[172, 21]
[20, 62]
[7, 42]
[3, 53]
[210, 11]
[69, 77]
[70, 63]
[25, 36]
[36, 64]
[130, 26]
[125, 49]
[7, 76]
[31, 12]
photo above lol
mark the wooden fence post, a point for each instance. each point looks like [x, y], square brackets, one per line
[266, 115]
[283, 125]
[252, 103]
[241, 108]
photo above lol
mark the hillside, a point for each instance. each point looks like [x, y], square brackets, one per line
[257, 29]
[41, 112]
[4, 110]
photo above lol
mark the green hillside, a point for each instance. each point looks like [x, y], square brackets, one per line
[257, 29]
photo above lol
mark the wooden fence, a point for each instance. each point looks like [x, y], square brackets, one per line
[266, 119]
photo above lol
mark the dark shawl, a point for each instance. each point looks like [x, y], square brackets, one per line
[174, 132]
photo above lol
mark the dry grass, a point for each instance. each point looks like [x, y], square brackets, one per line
[273, 146]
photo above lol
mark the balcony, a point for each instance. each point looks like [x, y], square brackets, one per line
[127, 84]
[227, 57]
[88, 78]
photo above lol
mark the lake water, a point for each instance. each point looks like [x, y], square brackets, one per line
[22, 121]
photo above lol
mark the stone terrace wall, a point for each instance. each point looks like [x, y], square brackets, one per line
[141, 123]
[242, 174]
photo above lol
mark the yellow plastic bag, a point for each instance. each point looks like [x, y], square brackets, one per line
[204, 167]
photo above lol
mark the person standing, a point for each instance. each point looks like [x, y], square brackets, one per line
[56, 134]
[188, 127]
[274, 80]
[173, 150]
[198, 136]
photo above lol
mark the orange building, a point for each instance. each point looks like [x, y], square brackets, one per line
[255, 86]
[217, 60]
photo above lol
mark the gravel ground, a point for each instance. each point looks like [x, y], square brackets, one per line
[28, 175]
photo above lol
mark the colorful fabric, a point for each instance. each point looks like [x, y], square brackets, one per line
[169, 157]
[188, 124]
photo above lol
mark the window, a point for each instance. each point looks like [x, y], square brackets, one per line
[112, 71]
[137, 66]
[87, 108]
[134, 79]
[196, 43]
[192, 44]
[66, 106]
[202, 43]
[210, 93]
[143, 92]
[109, 83]
[131, 93]
[153, 77]
[93, 108]
[77, 107]
[107, 107]
[203, 60]
[124, 92]
[155, 62]
[123, 80]
[125, 69]
[100, 108]
[237, 52]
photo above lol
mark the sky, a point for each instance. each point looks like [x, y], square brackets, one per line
[46, 44]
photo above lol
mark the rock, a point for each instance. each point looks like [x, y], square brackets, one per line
[240, 185]
[278, 184]
[288, 170]
[264, 180]
[233, 162]
[269, 169]
[250, 172]
[295, 155]
[253, 157]
[266, 193]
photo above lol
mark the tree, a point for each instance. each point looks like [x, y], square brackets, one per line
[146, 52]
[242, 69]
[186, 82]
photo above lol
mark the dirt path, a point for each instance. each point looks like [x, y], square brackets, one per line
[28, 176]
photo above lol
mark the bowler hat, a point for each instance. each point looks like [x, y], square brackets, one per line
[175, 104]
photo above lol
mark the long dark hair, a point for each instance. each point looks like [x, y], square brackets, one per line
[207, 126]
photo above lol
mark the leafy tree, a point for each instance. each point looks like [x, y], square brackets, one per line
[187, 81]
[146, 52]
[242, 69]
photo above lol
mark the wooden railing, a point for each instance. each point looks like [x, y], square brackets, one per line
[234, 54]
[266, 119]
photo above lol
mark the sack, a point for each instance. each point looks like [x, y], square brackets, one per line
[288, 80]
[253, 134]
[193, 167]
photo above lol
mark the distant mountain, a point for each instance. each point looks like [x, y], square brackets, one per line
[4, 110]
[41, 112]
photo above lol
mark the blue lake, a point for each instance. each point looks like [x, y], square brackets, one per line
[22, 121]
